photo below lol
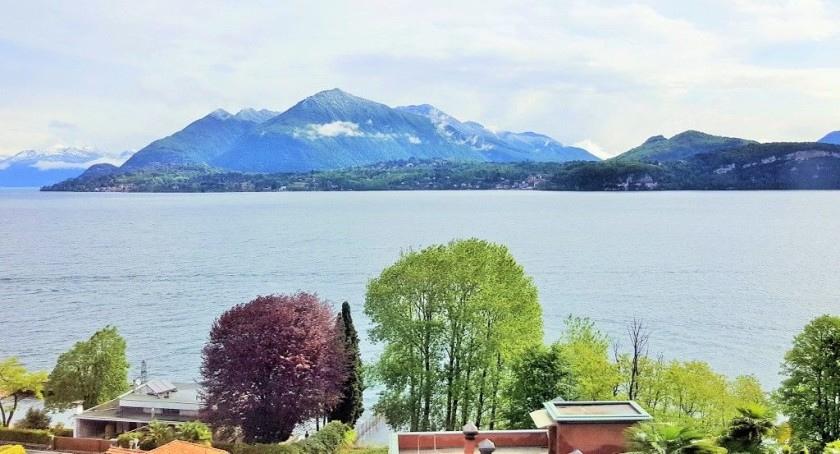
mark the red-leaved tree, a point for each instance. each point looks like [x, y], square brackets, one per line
[270, 364]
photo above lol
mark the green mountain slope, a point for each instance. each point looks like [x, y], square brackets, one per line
[681, 146]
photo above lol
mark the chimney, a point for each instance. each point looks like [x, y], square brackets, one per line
[470, 432]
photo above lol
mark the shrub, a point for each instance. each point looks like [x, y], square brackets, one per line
[350, 437]
[195, 432]
[35, 419]
[26, 436]
[329, 440]
[60, 431]
[12, 449]
[832, 448]
[124, 439]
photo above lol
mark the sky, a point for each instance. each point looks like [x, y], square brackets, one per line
[607, 75]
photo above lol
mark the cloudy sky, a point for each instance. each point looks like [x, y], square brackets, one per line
[605, 75]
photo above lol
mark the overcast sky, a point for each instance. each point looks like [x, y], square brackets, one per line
[604, 75]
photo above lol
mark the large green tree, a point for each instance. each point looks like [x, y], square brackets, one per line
[587, 351]
[17, 383]
[452, 318]
[539, 375]
[810, 395]
[93, 371]
[350, 407]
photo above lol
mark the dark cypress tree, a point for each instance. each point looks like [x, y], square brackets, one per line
[350, 408]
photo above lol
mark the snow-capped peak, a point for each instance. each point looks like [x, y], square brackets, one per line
[221, 114]
[256, 116]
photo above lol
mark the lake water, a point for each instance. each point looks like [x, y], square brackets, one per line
[724, 277]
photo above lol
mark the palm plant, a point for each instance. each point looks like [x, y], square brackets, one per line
[747, 431]
[665, 438]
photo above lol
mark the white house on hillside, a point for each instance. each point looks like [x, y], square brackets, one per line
[172, 403]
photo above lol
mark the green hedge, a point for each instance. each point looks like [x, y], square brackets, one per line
[329, 440]
[26, 436]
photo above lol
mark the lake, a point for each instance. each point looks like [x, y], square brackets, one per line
[723, 277]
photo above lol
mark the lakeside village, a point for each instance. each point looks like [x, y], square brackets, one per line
[463, 368]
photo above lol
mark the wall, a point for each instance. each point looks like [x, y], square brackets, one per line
[501, 438]
[81, 444]
[591, 438]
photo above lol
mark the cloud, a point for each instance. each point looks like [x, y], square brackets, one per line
[53, 165]
[333, 129]
[60, 125]
[593, 148]
[415, 140]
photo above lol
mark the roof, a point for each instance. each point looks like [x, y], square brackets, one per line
[592, 411]
[183, 447]
[150, 393]
[173, 447]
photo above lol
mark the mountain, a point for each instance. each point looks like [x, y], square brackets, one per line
[334, 129]
[200, 142]
[32, 168]
[832, 138]
[679, 147]
[504, 146]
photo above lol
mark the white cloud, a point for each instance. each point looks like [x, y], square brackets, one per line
[791, 20]
[53, 165]
[593, 148]
[415, 140]
[333, 129]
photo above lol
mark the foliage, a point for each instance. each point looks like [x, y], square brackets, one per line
[124, 439]
[452, 318]
[664, 438]
[539, 375]
[832, 448]
[587, 352]
[59, 430]
[329, 440]
[350, 407]
[93, 371]
[26, 436]
[16, 383]
[810, 395]
[35, 418]
[366, 450]
[12, 449]
[195, 432]
[747, 431]
[270, 364]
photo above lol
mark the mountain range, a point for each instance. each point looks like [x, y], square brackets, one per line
[41, 167]
[334, 129]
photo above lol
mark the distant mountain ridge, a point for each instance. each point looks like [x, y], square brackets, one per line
[831, 138]
[334, 129]
[30, 168]
[681, 146]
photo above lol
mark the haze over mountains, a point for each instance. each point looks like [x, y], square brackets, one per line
[39, 167]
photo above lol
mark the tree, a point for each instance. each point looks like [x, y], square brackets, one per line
[747, 431]
[832, 448]
[16, 383]
[452, 318]
[810, 395]
[666, 438]
[587, 351]
[195, 432]
[539, 375]
[35, 418]
[93, 371]
[350, 407]
[270, 364]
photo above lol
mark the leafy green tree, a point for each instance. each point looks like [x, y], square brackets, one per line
[157, 434]
[16, 383]
[810, 395]
[747, 431]
[93, 371]
[539, 375]
[351, 406]
[587, 351]
[452, 318]
[667, 438]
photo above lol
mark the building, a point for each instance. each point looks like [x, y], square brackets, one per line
[173, 447]
[171, 403]
[563, 427]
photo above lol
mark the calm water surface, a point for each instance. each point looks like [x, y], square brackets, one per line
[724, 277]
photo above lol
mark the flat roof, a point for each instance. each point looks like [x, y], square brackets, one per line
[187, 393]
[596, 411]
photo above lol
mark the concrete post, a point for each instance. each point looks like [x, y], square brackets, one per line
[470, 432]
